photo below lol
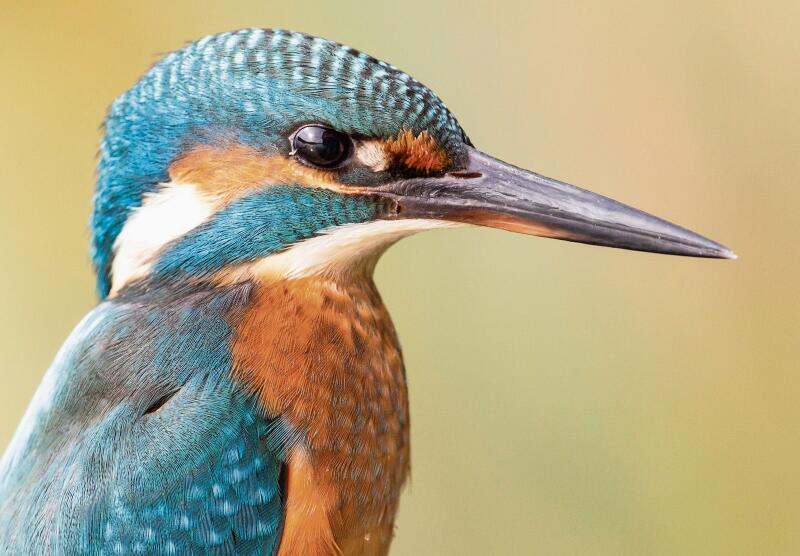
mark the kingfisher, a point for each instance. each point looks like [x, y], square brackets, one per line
[239, 388]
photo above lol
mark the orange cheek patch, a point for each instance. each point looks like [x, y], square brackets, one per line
[229, 172]
[420, 153]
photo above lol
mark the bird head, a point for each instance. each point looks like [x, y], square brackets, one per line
[273, 153]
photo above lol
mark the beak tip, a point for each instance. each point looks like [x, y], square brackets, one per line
[718, 251]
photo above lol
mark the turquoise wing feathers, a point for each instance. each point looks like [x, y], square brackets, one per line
[140, 442]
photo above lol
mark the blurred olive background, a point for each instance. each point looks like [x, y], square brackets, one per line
[565, 399]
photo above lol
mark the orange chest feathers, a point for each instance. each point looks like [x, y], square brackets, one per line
[325, 358]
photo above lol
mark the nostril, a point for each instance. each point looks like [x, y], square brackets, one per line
[465, 175]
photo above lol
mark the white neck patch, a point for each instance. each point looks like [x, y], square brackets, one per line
[165, 215]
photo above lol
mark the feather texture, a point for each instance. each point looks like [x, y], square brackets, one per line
[143, 443]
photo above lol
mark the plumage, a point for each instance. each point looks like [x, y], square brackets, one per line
[240, 387]
[345, 392]
[99, 472]
[247, 88]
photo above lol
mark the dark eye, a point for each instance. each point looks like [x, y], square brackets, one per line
[321, 146]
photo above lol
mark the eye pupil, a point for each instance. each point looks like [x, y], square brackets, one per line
[321, 146]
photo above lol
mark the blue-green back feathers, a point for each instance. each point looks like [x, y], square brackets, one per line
[140, 441]
[228, 503]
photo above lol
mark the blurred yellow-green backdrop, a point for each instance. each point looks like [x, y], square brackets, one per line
[565, 399]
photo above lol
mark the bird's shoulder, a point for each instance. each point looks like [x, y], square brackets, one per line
[138, 438]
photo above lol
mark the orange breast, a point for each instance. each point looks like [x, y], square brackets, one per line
[324, 356]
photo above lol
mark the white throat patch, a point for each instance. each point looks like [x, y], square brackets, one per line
[338, 250]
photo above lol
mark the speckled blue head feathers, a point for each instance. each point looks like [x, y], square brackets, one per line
[250, 87]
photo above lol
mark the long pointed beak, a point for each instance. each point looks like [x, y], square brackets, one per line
[489, 192]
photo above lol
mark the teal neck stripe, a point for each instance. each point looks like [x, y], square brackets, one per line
[262, 224]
